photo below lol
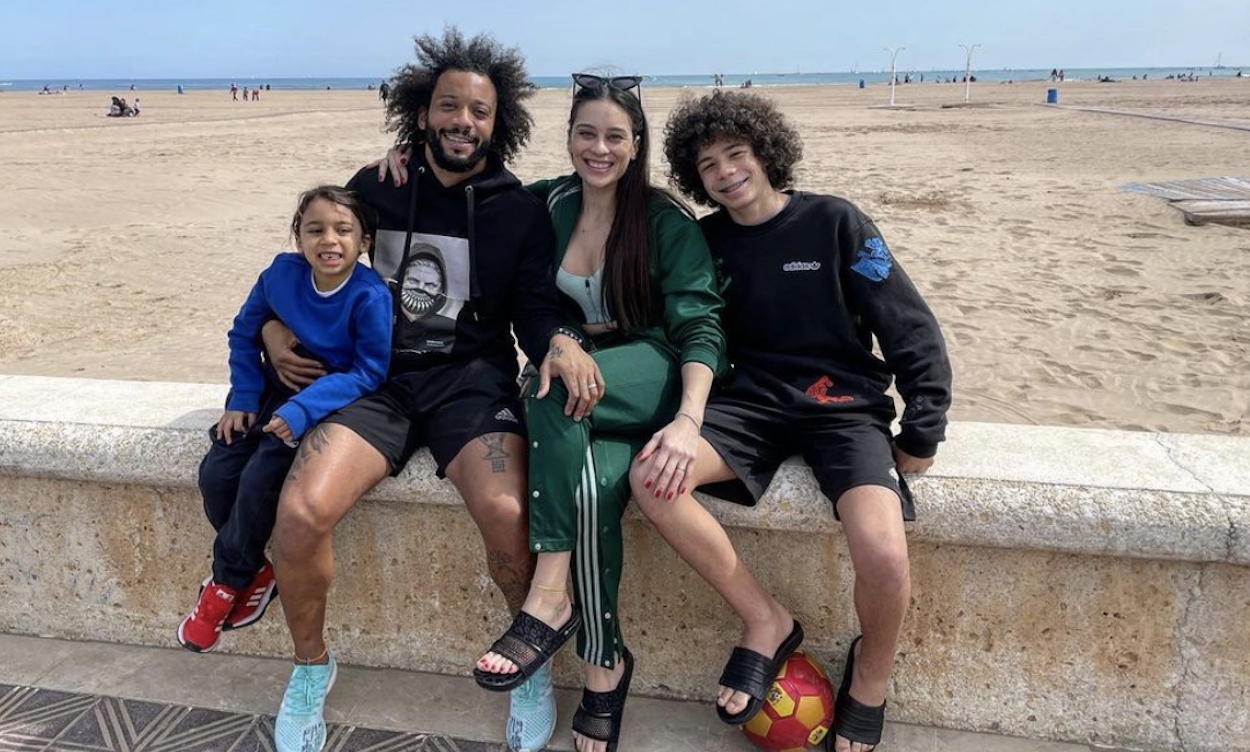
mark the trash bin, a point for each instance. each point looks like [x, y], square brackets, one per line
[1052, 96]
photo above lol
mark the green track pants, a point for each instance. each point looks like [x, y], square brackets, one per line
[579, 478]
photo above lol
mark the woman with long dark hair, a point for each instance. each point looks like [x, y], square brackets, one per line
[637, 280]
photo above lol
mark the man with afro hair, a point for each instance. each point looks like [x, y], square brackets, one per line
[809, 283]
[452, 383]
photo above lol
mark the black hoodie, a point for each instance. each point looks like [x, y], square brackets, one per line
[478, 261]
[806, 292]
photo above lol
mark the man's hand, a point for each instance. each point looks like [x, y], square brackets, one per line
[396, 163]
[279, 428]
[294, 371]
[232, 422]
[567, 361]
[909, 465]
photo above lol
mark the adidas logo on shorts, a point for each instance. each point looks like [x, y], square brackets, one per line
[506, 414]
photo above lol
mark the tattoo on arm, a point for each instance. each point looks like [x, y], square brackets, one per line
[495, 452]
[556, 352]
[314, 443]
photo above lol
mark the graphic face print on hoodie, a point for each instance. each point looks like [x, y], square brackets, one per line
[435, 283]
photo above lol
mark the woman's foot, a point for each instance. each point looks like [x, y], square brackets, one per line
[550, 607]
[603, 721]
[764, 638]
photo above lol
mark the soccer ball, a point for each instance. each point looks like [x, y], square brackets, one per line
[797, 710]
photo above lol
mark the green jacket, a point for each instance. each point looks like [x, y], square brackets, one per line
[681, 270]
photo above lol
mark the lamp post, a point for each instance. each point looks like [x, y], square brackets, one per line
[893, 53]
[968, 71]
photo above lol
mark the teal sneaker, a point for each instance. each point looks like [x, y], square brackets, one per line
[532, 719]
[301, 725]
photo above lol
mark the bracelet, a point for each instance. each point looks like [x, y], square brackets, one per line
[697, 425]
[571, 334]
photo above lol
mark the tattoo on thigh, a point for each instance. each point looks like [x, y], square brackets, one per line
[495, 451]
[314, 443]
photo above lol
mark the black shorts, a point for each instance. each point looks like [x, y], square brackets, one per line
[444, 408]
[844, 449]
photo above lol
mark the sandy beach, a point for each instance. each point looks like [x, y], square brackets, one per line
[126, 246]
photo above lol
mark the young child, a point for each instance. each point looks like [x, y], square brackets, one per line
[810, 283]
[341, 314]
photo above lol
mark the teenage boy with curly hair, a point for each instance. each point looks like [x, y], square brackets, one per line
[809, 283]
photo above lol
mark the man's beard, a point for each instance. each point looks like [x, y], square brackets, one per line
[450, 163]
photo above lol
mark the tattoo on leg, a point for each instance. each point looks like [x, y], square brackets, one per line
[511, 579]
[495, 451]
[314, 443]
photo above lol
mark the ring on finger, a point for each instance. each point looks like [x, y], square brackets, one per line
[592, 385]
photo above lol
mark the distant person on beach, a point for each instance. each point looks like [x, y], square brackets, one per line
[341, 312]
[462, 104]
[135, 108]
[805, 381]
[256, 94]
[245, 94]
[234, 93]
[115, 108]
[384, 91]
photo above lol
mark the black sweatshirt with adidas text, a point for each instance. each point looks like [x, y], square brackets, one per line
[477, 267]
[805, 294]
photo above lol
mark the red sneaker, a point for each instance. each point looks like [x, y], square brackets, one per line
[200, 631]
[253, 599]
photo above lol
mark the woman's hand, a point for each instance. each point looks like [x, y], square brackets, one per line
[567, 361]
[671, 452]
[396, 163]
[232, 422]
[294, 371]
[278, 427]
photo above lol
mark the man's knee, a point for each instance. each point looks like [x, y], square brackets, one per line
[305, 512]
[497, 510]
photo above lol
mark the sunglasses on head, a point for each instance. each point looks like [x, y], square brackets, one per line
[620, 83]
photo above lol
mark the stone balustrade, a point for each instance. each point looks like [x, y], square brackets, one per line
[1068, 584]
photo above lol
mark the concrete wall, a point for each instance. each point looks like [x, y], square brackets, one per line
[1069, 584]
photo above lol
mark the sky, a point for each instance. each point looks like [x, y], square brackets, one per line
[370, 38]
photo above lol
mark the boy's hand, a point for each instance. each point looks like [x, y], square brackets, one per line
[279, 428]
[294, 371]
[232, 422]
[909, 465]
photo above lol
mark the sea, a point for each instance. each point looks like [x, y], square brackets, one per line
[843, 78]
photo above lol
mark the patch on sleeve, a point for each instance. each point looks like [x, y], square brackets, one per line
[874, 260]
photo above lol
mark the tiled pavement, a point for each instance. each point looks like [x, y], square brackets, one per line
[62, 696]
[44, 720]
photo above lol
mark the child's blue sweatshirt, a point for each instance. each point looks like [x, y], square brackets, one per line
[349, 329]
